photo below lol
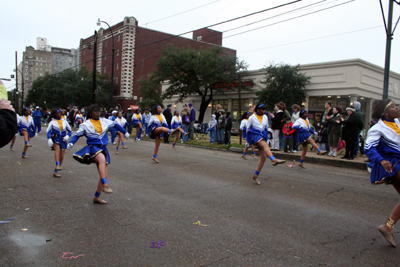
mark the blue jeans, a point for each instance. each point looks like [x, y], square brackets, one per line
[213, 135]
[145, 127]
[221, 136]
[185, 128]
[38, 124]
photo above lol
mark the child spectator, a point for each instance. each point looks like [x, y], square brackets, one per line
[323, 136]
[288, 135]
[212, 129]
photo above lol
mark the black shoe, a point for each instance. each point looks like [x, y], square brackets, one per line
[344, 157]
[350, 158]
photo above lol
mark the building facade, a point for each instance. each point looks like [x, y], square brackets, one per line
[341, 82]
[45, 59]
[137, 50]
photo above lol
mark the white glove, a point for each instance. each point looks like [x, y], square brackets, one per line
[51, 143]
[35, 134]
[65, 139]
[70, 145]
[127, 135]
[316, 133]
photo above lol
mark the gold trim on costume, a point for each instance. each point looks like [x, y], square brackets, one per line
[259, 141]
[390, 223]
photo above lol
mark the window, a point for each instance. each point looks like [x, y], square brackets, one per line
[105, 56]
[116, 79]
[118, 52]
[119, 37]
[40, 74]
[84, 51]
[235, 108]
[105, 43]
[104, 69]
[117, 65]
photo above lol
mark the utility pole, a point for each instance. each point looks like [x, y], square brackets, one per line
[389, 37]
[16, 79]
[94, 68]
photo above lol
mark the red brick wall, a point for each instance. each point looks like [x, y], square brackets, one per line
[146, 56]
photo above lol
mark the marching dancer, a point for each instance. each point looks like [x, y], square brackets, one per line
[78, 119]
[243, 127]
[257, 134]
[58, 133]
[95, 130]
[122, 122]
[304, 136]
[383, 149]
[26, 129]
[176, 123]
[156, 129]
[137, 123]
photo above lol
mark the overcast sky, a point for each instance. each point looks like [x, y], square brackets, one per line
[351, 30]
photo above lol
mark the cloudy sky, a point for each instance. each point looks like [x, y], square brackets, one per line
[307, 31]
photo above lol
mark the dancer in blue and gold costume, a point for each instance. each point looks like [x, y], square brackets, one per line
[58, 133]
[383, 149]
[257, 134]
[95, 130]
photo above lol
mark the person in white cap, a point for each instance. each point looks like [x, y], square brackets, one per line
[37, 116]
[112, 129]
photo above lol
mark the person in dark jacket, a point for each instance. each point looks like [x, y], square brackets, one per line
[217, 114]
[168, 116]
[8, 122]
[276, 127]
[334, 130]
[350, 132]
[323, 137]
[228, 128]
[128, 117]
[192, 113]
[221, 126]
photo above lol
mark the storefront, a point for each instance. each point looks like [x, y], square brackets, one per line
[341, 82]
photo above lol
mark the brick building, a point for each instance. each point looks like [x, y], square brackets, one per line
[137, 50]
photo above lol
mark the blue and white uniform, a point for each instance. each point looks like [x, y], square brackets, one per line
[136, 118]
[78, 116]
[176, 122]
[26, 124]
[257, 129]
[383, 143]
[243, 127]
[154, 123]
[56, 135]
[96, 142]
[122, 122]
[303, 130]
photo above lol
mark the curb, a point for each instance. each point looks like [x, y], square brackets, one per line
[324, 160]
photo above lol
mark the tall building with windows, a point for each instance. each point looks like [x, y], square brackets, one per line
[137, 50]
[45, 59]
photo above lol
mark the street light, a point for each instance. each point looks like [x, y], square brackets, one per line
[112, 61]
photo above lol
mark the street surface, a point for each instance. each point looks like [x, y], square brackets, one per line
[319, 216]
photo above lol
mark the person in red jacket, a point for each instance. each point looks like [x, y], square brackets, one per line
[288, 135]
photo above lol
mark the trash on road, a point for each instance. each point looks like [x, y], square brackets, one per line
[69, 253]
[157, 244]
[27, 209]
[291, 165]
[48, 240]
[24, 229]
[4, 222]
[200, 224]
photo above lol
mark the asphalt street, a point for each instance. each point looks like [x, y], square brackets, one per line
[319, 216]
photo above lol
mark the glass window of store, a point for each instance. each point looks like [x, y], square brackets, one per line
[235, 109]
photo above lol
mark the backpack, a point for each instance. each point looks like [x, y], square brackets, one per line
[187, 119]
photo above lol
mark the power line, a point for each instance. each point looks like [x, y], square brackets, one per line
[290, 19]
[312, 39]
[180, 13]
